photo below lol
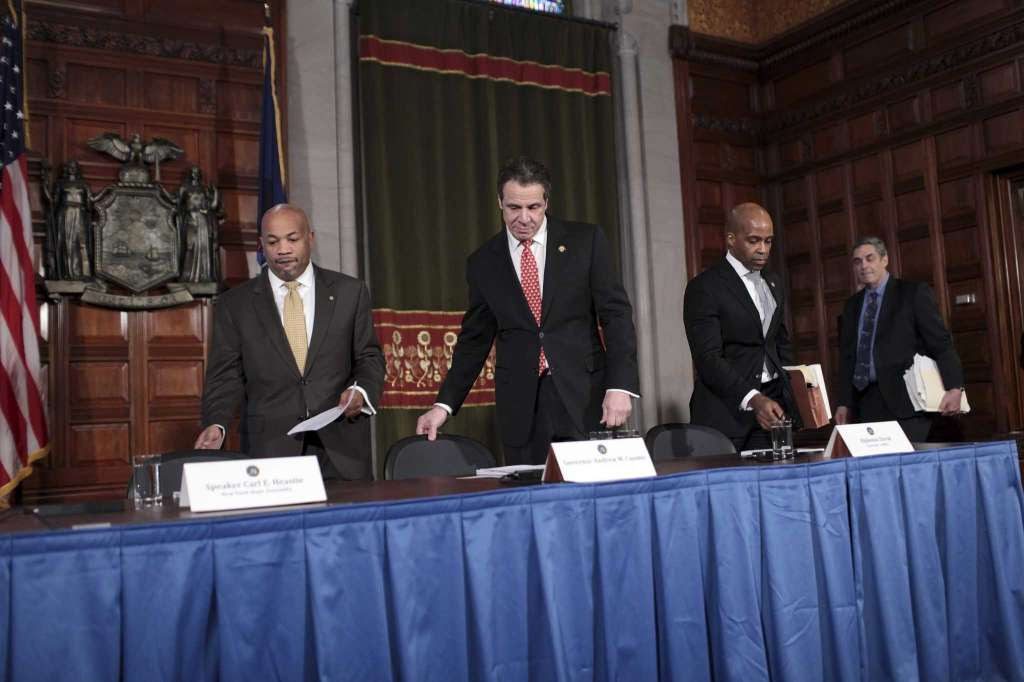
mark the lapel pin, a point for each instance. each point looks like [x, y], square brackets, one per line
[561, 248]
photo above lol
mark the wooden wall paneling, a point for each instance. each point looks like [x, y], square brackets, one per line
[1000, 213]
[687, 171]
[956, 16]
[121, 383]
[915, 103]
[938, 252]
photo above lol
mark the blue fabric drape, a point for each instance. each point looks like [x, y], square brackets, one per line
[886, 568]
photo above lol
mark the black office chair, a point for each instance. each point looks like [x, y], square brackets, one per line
[172, 465]
[415, 457]
[668, 441]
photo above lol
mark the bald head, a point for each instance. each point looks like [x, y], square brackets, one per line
[287, 240]
[749, 234]
[280, 210]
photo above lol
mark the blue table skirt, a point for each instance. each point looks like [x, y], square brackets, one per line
[886, 568]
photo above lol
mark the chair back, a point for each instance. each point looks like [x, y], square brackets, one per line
[668, 441]
[449, 455]
[172, 464]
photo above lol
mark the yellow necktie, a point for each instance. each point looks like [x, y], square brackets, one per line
[295, 324]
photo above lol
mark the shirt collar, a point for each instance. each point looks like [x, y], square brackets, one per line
[305, 279]
[880, 289]
[741, 269]
[541, 236]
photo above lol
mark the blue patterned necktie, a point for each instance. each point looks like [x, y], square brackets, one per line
[862, 371]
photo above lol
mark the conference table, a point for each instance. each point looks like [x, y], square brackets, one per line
[891, 567]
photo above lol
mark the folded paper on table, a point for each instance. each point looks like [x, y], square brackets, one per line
[807, 383]
[925, 387]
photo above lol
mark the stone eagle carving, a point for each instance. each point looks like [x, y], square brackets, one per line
[133, 151]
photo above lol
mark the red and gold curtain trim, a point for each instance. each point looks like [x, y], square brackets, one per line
[483, 66]
[418, 347]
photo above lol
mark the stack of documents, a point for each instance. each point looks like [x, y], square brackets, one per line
[924, 386]
[498, 472]
[808, 385]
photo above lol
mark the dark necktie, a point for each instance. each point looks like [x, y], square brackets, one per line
[862, 371]
[530, 281]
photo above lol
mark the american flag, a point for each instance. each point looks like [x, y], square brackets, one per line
[22, 411]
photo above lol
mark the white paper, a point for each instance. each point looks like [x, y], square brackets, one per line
[817, 380]
[317, 422]
[498, 472]
[925, 388]
[251, 483]
[593, 461]
[874, 438]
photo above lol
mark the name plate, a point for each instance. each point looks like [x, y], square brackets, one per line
[251, 483]
[594, 461]
[862, 440]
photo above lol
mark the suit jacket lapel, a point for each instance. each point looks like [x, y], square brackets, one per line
[554, 267]
[322, 314]
[734, 284]
[776, 290]
[266, 313]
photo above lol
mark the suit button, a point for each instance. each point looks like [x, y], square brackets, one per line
[304, 382]
[542, 335]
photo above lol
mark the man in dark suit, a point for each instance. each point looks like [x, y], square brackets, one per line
[735, 322]
[882, 327]
[289, 344]
[540, 287]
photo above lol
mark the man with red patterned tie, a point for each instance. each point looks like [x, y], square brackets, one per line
[539, 288]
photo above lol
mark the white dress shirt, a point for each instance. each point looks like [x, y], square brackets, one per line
[742, 270]
[539, 250]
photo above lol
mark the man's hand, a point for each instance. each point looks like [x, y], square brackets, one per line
[210, 438]
[430, 421]
[950, 403]
[615, 409]
[355, 408]
[842, 415]
[767, 411]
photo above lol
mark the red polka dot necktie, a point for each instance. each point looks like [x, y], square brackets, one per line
[530, 281]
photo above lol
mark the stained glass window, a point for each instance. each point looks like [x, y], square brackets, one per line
[551, 6]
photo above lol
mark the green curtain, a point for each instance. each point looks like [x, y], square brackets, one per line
[447, 90]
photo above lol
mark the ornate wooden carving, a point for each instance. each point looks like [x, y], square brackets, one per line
[141, 44]
[126, 382]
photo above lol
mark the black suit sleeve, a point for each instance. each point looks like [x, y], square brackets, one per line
[224, 384]
[476, 337]
[701, 315]
[783, 344]
[367, 359]
[616, 316]
[935, 339]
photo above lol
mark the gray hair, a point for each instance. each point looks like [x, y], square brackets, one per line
[872, 241]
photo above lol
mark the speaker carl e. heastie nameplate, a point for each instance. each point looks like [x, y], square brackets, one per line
[251, 483]
[874, 438]
[594, 461]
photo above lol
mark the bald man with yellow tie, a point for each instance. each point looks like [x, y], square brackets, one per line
[288, 344]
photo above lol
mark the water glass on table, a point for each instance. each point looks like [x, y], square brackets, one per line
[145, 488]
[782, 439]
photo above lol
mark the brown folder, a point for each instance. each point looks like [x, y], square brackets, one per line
[809, 396]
